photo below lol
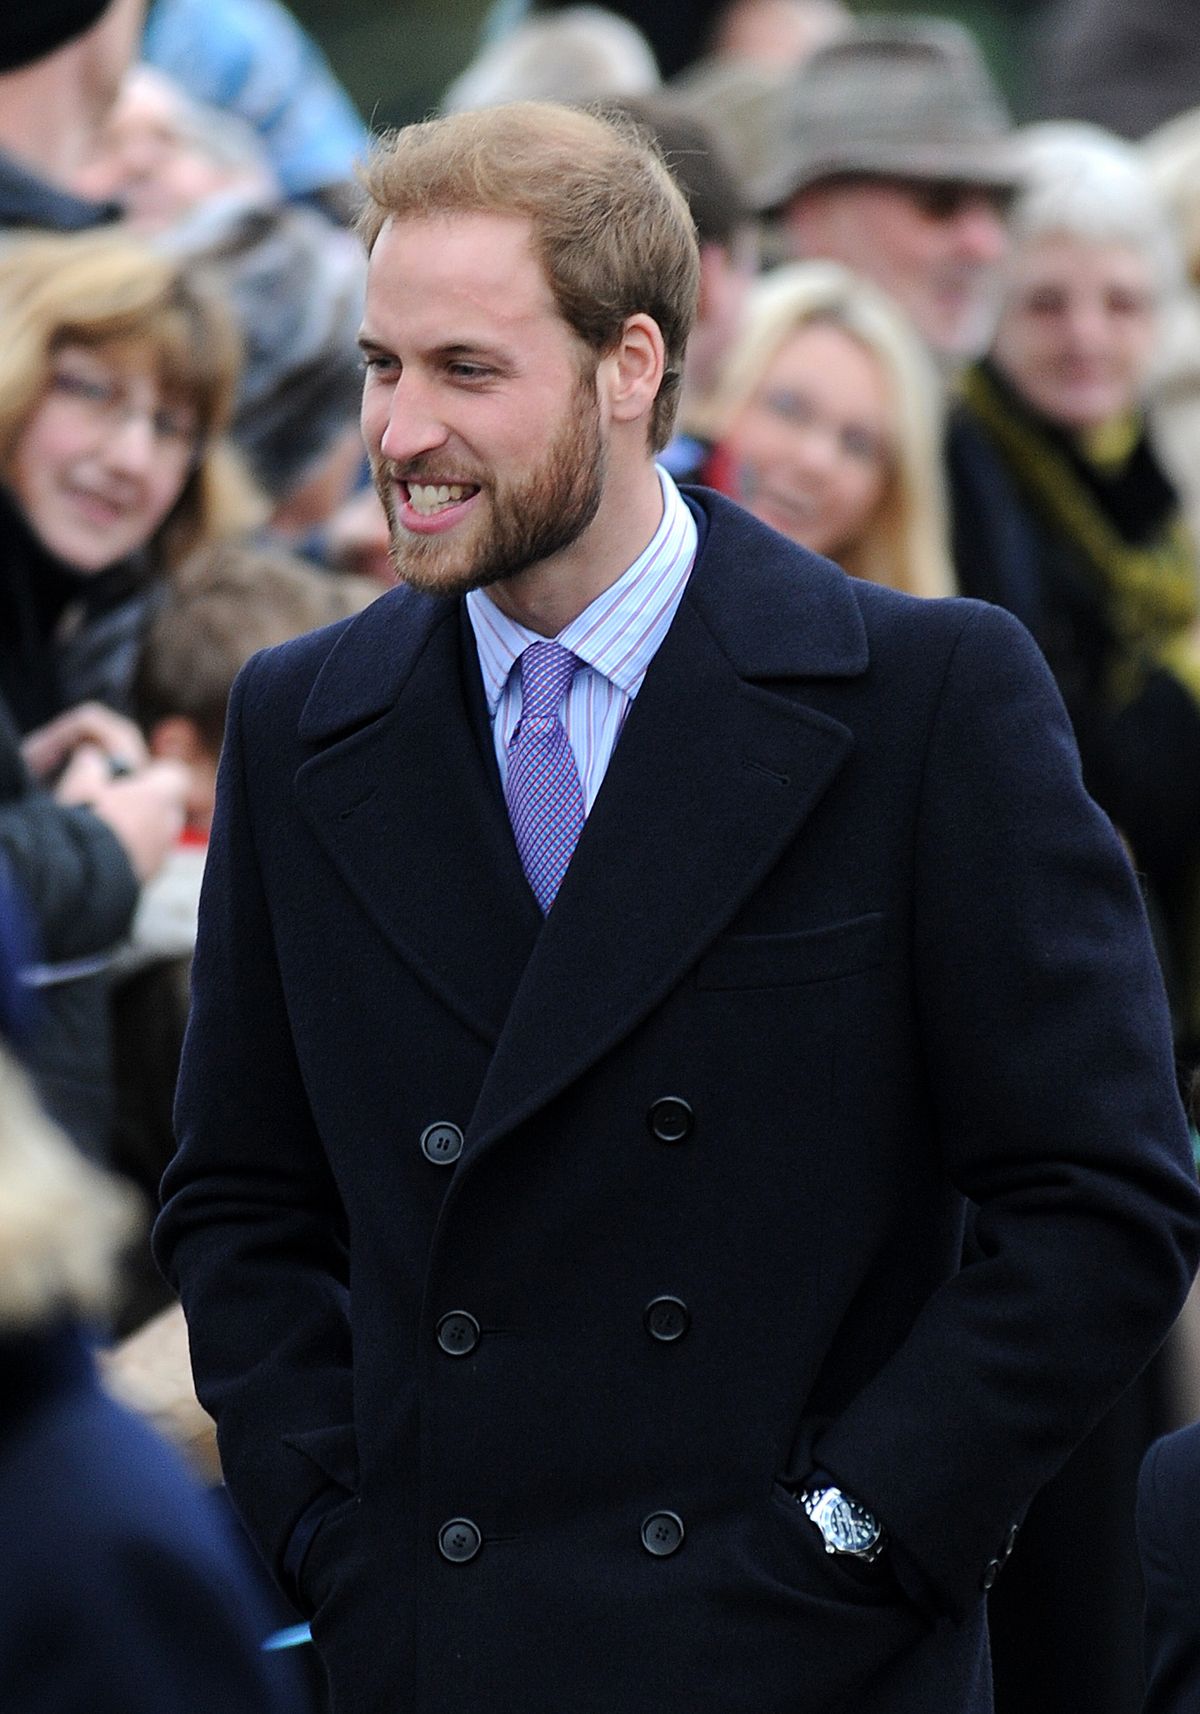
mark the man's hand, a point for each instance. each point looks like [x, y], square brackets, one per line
[49, 749]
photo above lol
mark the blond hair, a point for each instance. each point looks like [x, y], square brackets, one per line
[905, 544]
[611, 228]
[63, 1222]
[106, 288]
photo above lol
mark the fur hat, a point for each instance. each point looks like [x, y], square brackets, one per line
[31, 31]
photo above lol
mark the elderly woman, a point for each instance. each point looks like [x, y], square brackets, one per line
[1096, 532]
[827, 427]
[118, 375]
[1097, 543]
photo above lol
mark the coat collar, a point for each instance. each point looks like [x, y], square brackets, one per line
[403, 797]
[777, 612]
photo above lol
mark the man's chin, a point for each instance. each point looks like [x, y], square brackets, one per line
[438, 573]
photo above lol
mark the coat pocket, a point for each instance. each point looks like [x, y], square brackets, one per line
[789, 960]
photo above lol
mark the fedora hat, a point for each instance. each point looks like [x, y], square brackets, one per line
[906, 98]
[32, 30]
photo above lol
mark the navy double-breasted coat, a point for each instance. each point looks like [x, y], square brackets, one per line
[843, 949]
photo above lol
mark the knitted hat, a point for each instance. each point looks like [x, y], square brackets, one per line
[28, 32]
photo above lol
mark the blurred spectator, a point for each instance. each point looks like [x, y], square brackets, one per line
[1105, 570]
[357, 538]
[1172, 158]
[126, 1592]
[119, 377]
[576, 54]
[1060, 440]
[728, 238]
[253, 58]
[160, 155]
[100, 487]
[782, 33]
[226, 603]
[61, 62]
[893, 157]
[1129, 65]
[675, 29]
[198, 180]
[828, 425]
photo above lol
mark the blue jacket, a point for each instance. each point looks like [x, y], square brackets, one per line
[124, 1591]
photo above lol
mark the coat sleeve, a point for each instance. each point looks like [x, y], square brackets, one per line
[70, 866]
[1047, 1046]
[252, 1232]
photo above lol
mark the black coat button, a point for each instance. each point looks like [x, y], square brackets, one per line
[458, 1333]
[990, 1574]
[662, 1534]
[442, 1143]
[1010, 1540]
[459, 1541]
[666, 1318]
[671, 1119]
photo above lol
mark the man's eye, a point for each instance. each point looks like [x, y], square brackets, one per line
[375, 362]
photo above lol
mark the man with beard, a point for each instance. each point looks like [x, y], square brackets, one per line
[625, 949]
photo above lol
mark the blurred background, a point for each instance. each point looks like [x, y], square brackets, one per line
[438, 44]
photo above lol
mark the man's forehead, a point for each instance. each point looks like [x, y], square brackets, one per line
[475, 269]
[495, 243]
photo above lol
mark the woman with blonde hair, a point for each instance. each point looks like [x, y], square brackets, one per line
[117, 383]
[827, 424]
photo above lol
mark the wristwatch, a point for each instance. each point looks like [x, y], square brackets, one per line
[846, 1526]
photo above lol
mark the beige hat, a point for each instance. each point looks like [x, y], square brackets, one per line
[895, 98]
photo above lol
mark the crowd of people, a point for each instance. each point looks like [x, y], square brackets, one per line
[953, 354]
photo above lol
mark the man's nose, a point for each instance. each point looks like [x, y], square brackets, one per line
[413, 425]
[979, 230]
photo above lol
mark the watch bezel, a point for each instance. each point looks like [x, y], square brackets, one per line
[847, 1527]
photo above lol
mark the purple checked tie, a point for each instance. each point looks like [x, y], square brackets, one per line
[545, 799]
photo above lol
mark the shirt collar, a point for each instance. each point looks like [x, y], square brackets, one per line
[618, 633]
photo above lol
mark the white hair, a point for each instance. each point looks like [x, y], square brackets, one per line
[1080, 181]
[582, 53]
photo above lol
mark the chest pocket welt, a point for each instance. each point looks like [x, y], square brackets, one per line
[787, 960]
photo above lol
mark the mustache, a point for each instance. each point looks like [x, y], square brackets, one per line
[424, 468]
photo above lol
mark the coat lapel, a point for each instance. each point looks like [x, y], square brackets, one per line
[713, 776]
[401, 794]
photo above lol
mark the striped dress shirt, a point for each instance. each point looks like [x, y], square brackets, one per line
[615, 637]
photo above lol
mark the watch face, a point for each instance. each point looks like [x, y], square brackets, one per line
[847, 1527]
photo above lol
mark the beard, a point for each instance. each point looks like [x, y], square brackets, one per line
[531, 518]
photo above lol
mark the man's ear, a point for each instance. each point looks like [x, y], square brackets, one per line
[633, 370]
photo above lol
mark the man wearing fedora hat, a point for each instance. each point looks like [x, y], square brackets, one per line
[61, 62]
[896, 159]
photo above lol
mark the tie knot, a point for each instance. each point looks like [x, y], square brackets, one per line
[546, 672]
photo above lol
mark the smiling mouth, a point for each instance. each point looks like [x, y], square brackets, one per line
[430, 498]
[100, 508]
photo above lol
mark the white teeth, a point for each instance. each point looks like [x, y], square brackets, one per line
[427, 497]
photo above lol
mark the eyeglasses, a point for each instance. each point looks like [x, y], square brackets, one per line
[947, 199]
[101, 398]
